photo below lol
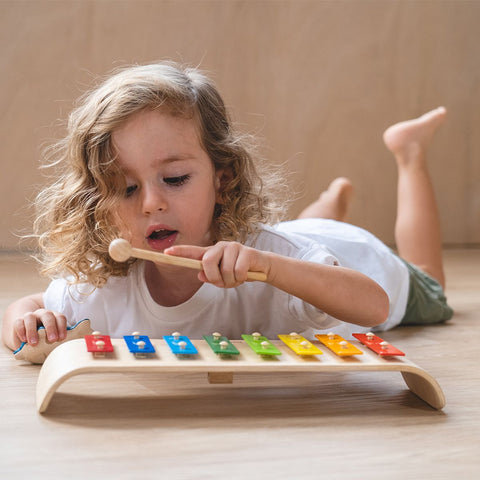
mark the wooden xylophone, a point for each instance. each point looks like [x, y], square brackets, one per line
[220, 358]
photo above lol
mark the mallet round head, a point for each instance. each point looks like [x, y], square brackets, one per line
[120, 250]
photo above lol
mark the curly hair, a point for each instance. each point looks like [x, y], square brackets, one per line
[74, 222]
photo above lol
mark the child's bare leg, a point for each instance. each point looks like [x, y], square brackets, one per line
[417, 228]
[333, 203]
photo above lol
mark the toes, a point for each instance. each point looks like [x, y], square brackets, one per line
[340, 185]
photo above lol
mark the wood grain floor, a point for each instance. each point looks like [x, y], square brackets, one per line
[308, 426]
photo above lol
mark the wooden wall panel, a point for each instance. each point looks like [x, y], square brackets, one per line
[318, 80]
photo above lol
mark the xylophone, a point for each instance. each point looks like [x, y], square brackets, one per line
[220, 358]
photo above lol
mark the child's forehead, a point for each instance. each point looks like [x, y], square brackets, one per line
[156, 122]
[155, 138]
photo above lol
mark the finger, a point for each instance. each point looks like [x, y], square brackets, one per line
[198, 253]
[228, 264]
[211, 264]
[243, 265]
[61, 325]
[31, 327]
[49, 321]
[187, 251]
[19, 329]
[62, 328]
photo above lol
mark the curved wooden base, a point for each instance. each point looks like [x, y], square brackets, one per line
[71, 359]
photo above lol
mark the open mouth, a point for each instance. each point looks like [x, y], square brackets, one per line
[161, 234]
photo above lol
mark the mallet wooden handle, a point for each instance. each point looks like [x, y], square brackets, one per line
[121, 250]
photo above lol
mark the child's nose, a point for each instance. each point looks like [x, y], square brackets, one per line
[153, 200]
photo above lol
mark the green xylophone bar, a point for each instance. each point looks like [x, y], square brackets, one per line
[261, 345]
[221, 345]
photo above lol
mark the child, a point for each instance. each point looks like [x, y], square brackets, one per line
[151, 156]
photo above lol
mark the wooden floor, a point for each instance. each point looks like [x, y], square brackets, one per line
[308, 426]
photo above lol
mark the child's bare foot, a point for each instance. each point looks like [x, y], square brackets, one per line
[333, 203]
[409, 140]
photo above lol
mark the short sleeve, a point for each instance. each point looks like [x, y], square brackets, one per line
[311, 315]
[58, 298]
[319, 254]
[54, 297]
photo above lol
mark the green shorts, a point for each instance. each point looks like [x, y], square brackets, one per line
[426, 303]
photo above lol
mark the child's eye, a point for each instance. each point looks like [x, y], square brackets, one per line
[130, 190]
[176, 181]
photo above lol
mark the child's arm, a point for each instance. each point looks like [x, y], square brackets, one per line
[23, 317]
[340, 292]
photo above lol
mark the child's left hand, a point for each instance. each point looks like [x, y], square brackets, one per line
[225, 264]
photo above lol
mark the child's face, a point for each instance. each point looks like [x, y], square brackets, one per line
[172, 185]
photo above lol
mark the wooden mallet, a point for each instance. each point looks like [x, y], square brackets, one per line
[121, 250]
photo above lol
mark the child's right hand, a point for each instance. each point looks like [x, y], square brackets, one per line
[225, 264]
[26, 327]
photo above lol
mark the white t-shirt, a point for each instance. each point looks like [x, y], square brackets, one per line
[124, 304]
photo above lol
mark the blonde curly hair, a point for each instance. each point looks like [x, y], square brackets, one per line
[74, 222]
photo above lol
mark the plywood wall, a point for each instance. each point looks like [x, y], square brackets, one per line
[318, 80]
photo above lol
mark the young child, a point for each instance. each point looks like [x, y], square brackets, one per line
[151, 156]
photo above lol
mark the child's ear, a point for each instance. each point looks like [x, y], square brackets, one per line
[222, 178]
